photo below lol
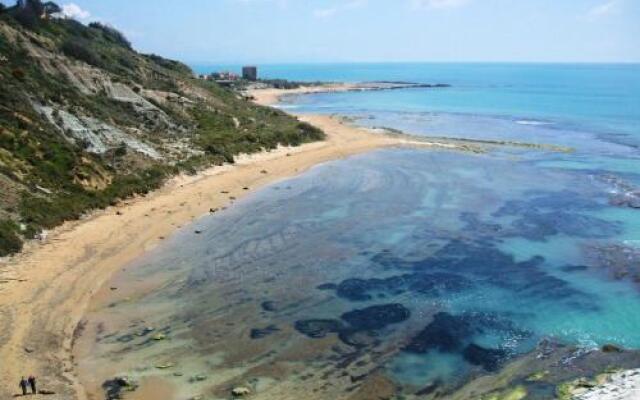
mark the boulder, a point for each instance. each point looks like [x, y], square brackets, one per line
[240, 391]
[611, 348]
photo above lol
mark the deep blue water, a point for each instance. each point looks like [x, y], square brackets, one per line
[430, 266]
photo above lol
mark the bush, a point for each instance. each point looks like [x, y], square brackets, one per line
[221, 151]
[309, 132]
[112, 34]
[10, 242]
[121, 150]
[81, 50]
[173, 65]
[18, 74]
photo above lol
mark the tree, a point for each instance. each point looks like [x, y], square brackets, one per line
[28, 13]
[51, 8]
[34, 5]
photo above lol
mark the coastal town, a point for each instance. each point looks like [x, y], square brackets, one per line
[227, 78]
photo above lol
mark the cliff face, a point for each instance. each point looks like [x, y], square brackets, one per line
[85, 120]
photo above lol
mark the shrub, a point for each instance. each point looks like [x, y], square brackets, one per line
[310, 132]
[112, 34]
[221, 151]
[121, 150]
[10, 242]
[18, 74]
[81, 50]
[173, 65]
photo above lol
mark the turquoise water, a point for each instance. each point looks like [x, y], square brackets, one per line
[428, 267]
[606, 96]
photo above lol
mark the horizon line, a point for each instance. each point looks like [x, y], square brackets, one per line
[234, 63]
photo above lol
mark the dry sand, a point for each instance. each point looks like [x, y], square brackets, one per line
[45, 290]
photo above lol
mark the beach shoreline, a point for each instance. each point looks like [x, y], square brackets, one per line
[47, 288]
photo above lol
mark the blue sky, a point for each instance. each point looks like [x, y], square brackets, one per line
[277, 31]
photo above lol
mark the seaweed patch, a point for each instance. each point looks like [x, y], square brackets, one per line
[367, 320]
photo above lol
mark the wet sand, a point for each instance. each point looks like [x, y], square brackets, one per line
[45, 290]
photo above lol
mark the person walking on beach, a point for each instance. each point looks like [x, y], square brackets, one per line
[32, 383]
[23, 386]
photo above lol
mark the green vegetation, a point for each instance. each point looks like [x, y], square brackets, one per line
[49, 173]
[38, 212]
[111, 34]
[80, 49]
[249, 129]
[9, 240]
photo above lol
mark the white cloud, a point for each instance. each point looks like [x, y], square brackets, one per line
[356, 3]
[438, 3]
[72, 10]
[279, 3]
[600, 10]
[331, 11]
[324, 12]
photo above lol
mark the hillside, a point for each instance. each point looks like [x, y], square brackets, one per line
[86, 121]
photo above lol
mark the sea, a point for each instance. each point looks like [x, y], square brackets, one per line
[413, 272]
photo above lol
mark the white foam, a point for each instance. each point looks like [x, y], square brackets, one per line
[532, 122]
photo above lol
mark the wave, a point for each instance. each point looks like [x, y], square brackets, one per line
[532, 122]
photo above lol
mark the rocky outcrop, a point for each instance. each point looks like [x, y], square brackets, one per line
[94, 135]
[624, 385]
[627, 199]
[623, 193]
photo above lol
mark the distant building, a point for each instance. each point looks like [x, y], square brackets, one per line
[224, 75]
[222, 78]
[250, 73]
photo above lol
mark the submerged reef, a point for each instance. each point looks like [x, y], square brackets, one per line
[367, 320]
[471, 262]
[259, 333]
[619, 261]
[455, 334]
[545, 214]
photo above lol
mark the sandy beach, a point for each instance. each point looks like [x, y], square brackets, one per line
[45, 290]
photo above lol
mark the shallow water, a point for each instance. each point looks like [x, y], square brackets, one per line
[398, 269]
[492, 246]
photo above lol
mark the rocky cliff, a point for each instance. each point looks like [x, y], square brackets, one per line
[85, 121]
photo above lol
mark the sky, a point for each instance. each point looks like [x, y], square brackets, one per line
[302, 31]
